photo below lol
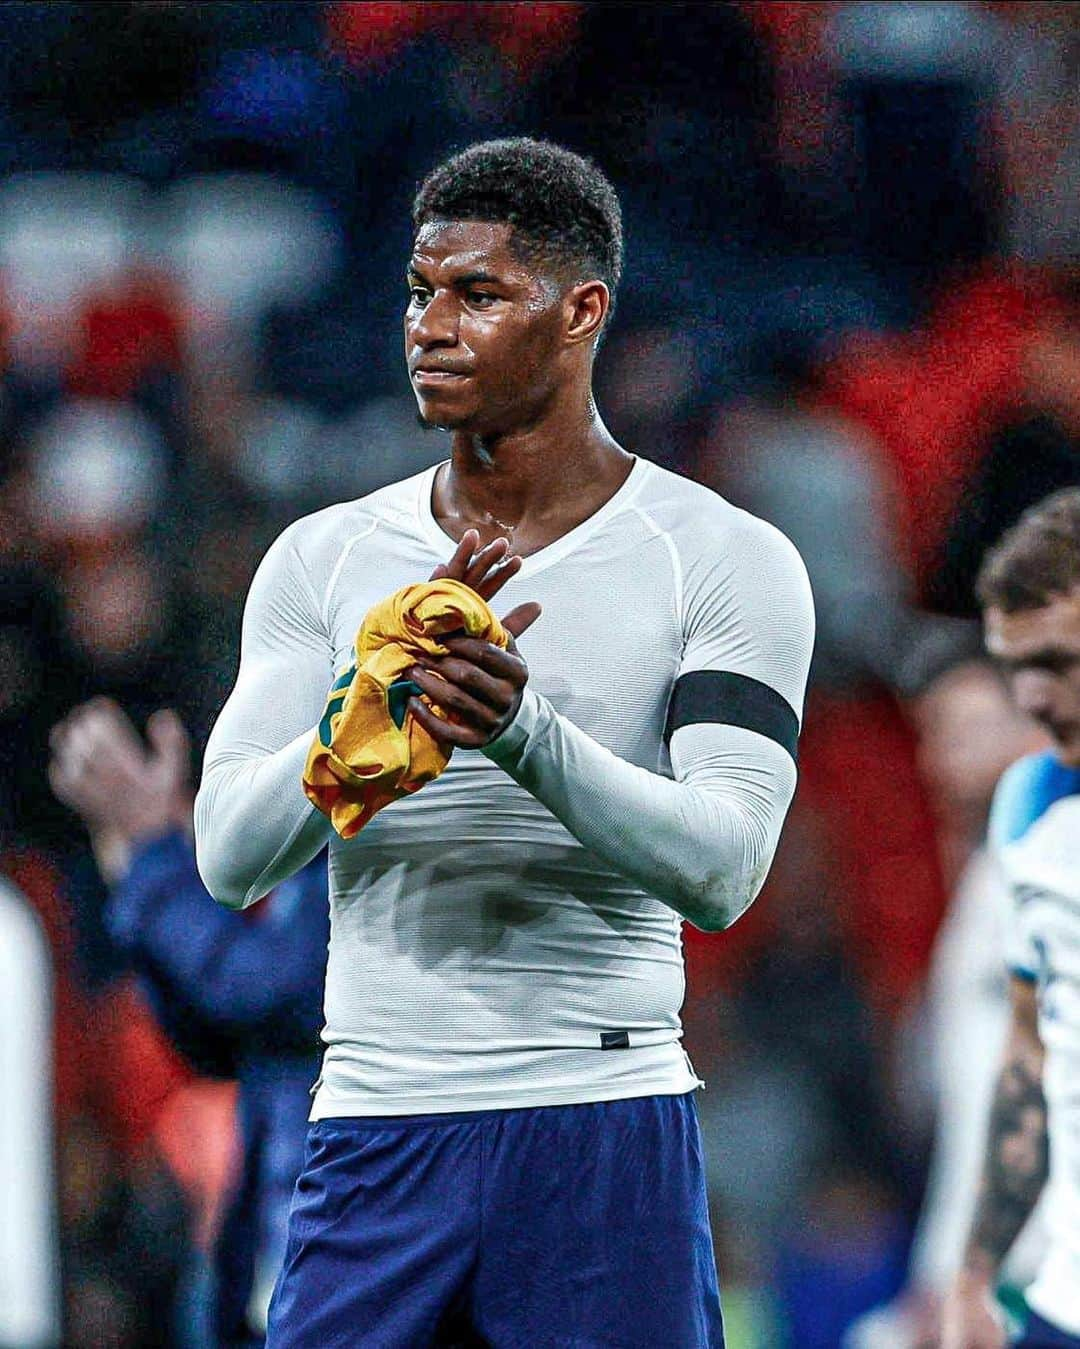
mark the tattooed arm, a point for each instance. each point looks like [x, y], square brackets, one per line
[1014, 1173]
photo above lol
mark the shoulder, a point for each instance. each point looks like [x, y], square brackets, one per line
[1035, 828]
[744, 594]
[710, 532]
[317, 541]
[1026, 795]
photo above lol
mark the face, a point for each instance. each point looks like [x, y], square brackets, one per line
[484, 333]
[1039, 652]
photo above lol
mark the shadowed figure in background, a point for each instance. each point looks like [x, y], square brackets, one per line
[239, 995]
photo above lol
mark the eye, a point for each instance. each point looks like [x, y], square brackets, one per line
[419, 296]
[480, 299]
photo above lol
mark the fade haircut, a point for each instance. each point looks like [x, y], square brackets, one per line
[1037, 560]
[560, 207]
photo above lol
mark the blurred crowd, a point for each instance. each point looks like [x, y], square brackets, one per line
[851, 304]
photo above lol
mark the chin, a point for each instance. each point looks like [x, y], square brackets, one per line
[430, 424]
[435, 418]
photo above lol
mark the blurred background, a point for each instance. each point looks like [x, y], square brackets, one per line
[850, 305]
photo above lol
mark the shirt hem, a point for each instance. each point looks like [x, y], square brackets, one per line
[326, 1106]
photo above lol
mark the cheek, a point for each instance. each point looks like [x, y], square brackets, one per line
[509, 356]
[536, 351]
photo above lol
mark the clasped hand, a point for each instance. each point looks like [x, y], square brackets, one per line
[477, 684]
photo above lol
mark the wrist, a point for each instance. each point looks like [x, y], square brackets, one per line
[112, 853]
[513, 738]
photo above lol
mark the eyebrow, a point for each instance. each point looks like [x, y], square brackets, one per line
[465, 279]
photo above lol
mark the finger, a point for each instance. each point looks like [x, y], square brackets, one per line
[502, 664]
[453, 698]
[80, 745]
[60, 780]
[58, 735]
[485, 560]
[444, 733]
[440, 571]
[76, 785]
[485, 688]
[522, 618]
[496, 579]
[109, 726]
[103, 740]
[69, 786]
[462, 555]
[168, 739]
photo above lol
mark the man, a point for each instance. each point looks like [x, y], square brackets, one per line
[1029, 588]
[479, 1162]
[238, 998]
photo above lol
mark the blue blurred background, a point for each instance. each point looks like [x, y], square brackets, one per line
[850, 304]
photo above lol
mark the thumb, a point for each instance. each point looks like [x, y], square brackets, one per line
[521, 618]
[169, 741]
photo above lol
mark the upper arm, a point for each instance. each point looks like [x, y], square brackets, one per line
[285, 661]
[748, 634]
[735, 710]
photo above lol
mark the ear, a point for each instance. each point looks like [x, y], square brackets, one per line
[587, 306]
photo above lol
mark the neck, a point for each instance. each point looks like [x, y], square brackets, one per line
[533, 473]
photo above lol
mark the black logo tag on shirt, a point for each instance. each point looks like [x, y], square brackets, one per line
[615, 1039]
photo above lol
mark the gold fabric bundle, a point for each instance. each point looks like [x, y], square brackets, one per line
[368, 750]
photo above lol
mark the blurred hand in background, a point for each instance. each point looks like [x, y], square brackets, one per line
[125, 789]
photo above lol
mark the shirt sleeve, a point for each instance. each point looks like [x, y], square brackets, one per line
[253, 824]
[703, 842]
[1019, 800]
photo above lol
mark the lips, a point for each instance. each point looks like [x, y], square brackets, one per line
[435, 377]
[434, 370]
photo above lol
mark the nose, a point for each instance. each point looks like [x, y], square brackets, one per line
[436, 325]
[1035, 693]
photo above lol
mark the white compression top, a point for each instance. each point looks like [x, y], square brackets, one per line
[489, 930]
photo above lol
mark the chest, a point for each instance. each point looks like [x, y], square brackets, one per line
[605, 650]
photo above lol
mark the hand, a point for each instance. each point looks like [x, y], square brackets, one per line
[478, 685]
[486, 571]
[123, 791]
[970, 1318]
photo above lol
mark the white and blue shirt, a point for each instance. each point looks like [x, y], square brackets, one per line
[1035, 832]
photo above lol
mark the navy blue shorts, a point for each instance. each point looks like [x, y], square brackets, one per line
[1040, 1334]
[567, 1226]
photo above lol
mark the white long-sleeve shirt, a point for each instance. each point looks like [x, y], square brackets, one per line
[493, 934]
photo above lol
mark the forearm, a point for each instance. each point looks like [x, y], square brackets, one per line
[253, 824]
[1016, 1164]
[703, 845]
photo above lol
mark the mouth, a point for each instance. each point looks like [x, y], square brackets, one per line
[434, 379]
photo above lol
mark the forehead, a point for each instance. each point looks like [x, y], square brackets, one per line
[455, 247]
[1056, 624]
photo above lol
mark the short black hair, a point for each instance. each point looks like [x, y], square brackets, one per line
[1037, 560]
[560, 206]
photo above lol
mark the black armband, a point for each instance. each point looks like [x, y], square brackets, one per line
[729, 699]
